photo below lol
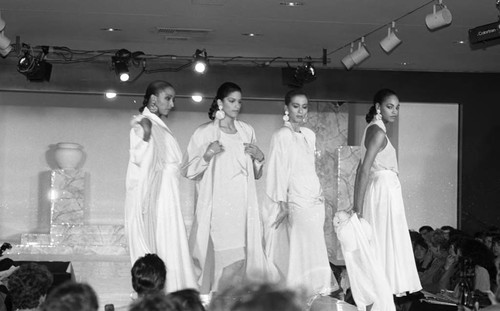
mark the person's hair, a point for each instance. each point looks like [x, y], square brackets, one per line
[154, 302]
[379, 98]
[428, 228]
[187, 300]
[148, 274]
[224, 90]
[256, 297]
[292, 93]
[479, 254]
[413, 235]
[495, 240]
[450, 228]
[71, 296]
[154, 88]
[420, 241]
[28, 284]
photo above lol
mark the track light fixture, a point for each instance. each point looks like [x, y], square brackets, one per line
[305, 73]
[200, 61]
[438, 19]
[120, 64]
[35, 68]
[390, 42]
[356, 57]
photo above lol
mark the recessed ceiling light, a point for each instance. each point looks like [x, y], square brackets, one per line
[251, 34]
[111, 29]
[110, 95]
[460, 42]
[405, 63]
[287, 3]
[197, 98]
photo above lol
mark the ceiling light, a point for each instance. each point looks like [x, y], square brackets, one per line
[347, 61]
[120, 64]
[286, 3]
[438, 19]
[390, 42]
[251, 34]
[197, 98]
[356, 57]
[110, 95]
[36, 69]
[111, 29]
[460, 42]
[200, 61]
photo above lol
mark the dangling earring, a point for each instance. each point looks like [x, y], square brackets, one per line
[220, 114]
[153, 108]
[378, 116]
[305, 119]
[286, 118]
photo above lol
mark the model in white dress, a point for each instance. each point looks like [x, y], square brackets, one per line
[153, 218]
[226, 237]
[297, 246]
[381, 200]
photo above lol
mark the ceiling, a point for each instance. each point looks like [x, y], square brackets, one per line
[285, 32]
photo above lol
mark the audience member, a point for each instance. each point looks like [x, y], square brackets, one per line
[28, 286]
[423, 256]
[71, 296]
[429, 278]
[256, 297]
[148, 275]
[447, 230]
[154, 302]
[425, 232]
[187, 300]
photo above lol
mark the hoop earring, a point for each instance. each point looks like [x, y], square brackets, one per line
[286, 117]
[378, 116]
[220, 114]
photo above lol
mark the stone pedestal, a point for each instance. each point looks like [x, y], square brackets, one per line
[67, 196]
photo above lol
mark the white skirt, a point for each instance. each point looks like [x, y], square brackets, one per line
[383, 208]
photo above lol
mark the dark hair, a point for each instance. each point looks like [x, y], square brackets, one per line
[154, 302]
[438, 239]
[419, 241]
[224, 90]
[478, 254]
[379, 98]
[154, 88]
[187, 299]
[71, 296]
[428, 228]
[291, 94]
[148, 274]
[27, 284]
[256, 297]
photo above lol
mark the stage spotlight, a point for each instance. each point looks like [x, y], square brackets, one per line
[120, 64]
[390, 42]
[200, 61]
[36, 69]
[356, 57]
[347, 61]
[305, 73]
[438, 19]
[197, 98]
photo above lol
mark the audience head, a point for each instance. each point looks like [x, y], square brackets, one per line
[256, 297]
[495, 245]
[71, 296]
[148, 274]
[159, 97]
[439, 243]
[187, 300]
[221, 100]
[154, 302]
[420, 248]
[387, 102]
[447, 230]
[476, 253]
[28, 286]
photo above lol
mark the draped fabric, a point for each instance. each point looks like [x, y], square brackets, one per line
[366, 275]
[383, 208]
[227, 227]
[298, 250]
[153, 218]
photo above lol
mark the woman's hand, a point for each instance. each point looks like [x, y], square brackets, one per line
[283, 216]
[254, 152]
[214, 148]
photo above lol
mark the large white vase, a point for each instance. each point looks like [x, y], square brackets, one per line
[68, 155]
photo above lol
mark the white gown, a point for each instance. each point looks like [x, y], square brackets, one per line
[299, 249]
[227, 224]
[153, 218]
[383, 208]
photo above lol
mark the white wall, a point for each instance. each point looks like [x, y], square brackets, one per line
[428, 163]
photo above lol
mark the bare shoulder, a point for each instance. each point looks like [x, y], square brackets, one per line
[375, 135]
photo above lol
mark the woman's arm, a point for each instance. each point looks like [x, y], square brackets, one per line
[374, 142]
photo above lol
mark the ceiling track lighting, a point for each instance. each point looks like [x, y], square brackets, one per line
[305, 73]
[200, 61]
[120, 64]
[390, 42]
[35, 68]
[357, 56]
[438, 18]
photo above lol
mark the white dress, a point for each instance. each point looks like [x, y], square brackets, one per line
[298, 250]
[383, 208]
[153, 218]
[227, 224]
